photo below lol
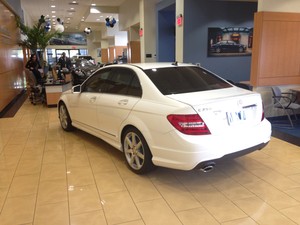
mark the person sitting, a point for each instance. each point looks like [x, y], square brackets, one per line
[33, 65]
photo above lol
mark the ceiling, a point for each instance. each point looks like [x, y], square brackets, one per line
[75, 14]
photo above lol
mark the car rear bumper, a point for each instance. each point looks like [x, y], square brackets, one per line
[232, 155]
[185, 152]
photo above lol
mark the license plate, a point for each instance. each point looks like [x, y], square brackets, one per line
[245, 114]
[235, 117]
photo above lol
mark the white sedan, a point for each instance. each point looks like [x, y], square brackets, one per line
[172, 115]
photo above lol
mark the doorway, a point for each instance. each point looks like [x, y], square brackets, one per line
[166, 34]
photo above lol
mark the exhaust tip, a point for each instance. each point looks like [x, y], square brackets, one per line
[208, 167]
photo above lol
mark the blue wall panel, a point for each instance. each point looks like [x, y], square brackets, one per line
[198, 17]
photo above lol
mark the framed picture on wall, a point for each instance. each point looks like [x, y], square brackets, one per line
[229, 41]
[69, 39]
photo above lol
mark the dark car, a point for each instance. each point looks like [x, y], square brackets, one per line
[82, 70]
[228, 46]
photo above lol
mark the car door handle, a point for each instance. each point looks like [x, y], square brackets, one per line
[123, 102]
[93, 99]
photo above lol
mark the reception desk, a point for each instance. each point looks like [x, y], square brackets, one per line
[54, 90]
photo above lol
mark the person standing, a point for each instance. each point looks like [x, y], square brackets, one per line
[64, 61]
[33, 65]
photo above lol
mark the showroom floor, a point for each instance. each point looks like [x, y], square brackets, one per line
[51, 177]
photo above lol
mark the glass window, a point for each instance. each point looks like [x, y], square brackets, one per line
[98, 82]
[176, 80]
[123, 81]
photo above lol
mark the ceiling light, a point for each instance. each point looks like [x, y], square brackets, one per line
[70, 13]
[74, 2]
[53, 11]
[53, 16]
[97, 19]
[72, 8]
[93, 10]
[93, 4]
[52, 6]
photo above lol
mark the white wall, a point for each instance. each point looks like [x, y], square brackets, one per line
[279, 5]
[148, 23]
[121, 39]
[129, 14]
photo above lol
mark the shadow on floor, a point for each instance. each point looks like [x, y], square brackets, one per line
[12, 108]
[282, 129]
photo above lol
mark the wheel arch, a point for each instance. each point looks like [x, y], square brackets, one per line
[141, 127]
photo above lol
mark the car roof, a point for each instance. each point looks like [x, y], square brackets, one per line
[156, 65]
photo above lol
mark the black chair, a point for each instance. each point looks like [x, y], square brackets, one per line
[285, 101]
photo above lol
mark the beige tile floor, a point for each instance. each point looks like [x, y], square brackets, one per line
[51, 177]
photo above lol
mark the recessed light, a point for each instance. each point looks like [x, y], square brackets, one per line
[97, 19]
[53, 16]
[72, 8]
[52, 6]
[53, 11]
[93, 4]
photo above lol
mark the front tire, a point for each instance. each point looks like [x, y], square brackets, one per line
[136, 151]
[64, 118]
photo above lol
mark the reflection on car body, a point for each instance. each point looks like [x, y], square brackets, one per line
[228, 46]
[178, 116]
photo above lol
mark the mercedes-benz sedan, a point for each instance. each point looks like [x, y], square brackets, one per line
[172, 115]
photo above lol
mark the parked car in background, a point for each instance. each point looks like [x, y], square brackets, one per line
[173, 115]
[82, 69]
[228, 46]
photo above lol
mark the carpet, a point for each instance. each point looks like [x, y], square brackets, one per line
[282, 129]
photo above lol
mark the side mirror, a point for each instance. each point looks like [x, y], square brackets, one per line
[76, 89]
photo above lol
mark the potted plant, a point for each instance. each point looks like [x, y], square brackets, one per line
[36, 37]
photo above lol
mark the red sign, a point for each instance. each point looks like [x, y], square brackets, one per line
[179, 20]
[141, 32]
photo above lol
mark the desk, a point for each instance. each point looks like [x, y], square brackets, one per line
[53, 91]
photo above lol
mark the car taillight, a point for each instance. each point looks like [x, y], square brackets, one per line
[189, 124]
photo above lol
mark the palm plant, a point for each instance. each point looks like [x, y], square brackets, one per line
[37, 37]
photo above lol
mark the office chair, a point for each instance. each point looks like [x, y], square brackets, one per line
[286, 102]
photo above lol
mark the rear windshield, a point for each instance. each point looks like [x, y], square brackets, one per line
[177, 80]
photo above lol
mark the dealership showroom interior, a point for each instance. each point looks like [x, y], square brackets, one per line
[149, 112]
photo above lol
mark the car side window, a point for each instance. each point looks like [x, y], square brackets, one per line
[123, 81]
[98, 82]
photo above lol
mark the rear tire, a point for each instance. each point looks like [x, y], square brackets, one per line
[136, 151]
[64, 118]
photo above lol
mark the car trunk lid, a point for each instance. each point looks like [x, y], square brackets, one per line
[225, 109]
